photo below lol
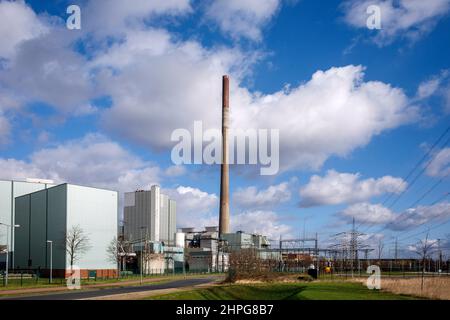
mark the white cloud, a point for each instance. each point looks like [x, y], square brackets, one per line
[440, 165]
[367, 213]
[404, 18]
[46, 69]
[112, 17]
[93, 160]
[261, 222]
[420, 215]
[175, 171]
[4, 129]
[428, 88]
[195, 208]
[336, 188]
[429, 244]
[158, 91]
[18, 23]
[446, 95]
[251, 197]
[331, 114]
[437, 85]
[166, 87]
[238, 18]
[373, 214]
[158, 83]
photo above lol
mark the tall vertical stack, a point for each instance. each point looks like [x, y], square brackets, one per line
[224, 215]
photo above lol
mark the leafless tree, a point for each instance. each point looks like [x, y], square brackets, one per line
[380, 251]
[248, 264]
[77, 244]
[423, 249]
[118, 250]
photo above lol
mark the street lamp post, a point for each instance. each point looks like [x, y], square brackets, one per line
[51, 260]
[7, 248]
[142, 250]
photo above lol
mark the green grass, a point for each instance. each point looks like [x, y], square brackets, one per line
[335, 290]
[32, 283]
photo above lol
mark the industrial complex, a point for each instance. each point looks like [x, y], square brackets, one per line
[42, 221]
[49, 228]
[38, 217]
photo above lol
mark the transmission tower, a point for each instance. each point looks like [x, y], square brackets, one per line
[348, 244]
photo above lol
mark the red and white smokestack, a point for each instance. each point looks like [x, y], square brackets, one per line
[224, 215]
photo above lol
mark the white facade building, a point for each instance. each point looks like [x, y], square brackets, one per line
[149, 215]
[51, 213]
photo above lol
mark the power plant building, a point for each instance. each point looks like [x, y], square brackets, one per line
[9, 190]
[150, 215]
[51, 214]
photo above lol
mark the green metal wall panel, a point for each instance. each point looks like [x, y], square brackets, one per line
[22, 234]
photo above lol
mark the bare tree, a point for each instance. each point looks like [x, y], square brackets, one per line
[248, 264]
[118, 250]
[77, 244]
[423, 248]
[380, 251]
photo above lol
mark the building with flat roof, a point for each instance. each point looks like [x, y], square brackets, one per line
[241, 240]
[149, 215]
[9, 190]
[51, 214]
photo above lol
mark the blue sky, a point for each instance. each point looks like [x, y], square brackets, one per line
[356, 108]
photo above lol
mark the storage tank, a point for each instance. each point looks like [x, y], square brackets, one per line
[179, 239]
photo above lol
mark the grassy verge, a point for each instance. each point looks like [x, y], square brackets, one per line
[332, 290]
[15, 284]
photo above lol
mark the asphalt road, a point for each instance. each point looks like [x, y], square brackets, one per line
[81, 294]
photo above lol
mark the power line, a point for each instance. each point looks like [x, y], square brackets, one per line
[411, 172]
[416, 178]
[419, 163]
[428, 229]
[415, 202]
[405, 216]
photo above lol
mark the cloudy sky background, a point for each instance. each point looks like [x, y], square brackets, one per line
[356, 108]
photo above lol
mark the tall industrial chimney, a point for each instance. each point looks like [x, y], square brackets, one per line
[224, 215]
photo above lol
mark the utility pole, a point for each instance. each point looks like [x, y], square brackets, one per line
[396, 250]
[143, 247]
[353, 245]
[317, 254]
[281, 255]
[440, 255]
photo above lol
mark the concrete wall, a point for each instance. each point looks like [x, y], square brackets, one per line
[151, 213]
[239, 240]
[164, 219]
[56, 225]
[50, 214]
[41, 216]
[172, 221]
[22, 235]
[155, 209]
[95, 211]
[137, 214]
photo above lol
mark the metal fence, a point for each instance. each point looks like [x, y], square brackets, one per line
[33, 277]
